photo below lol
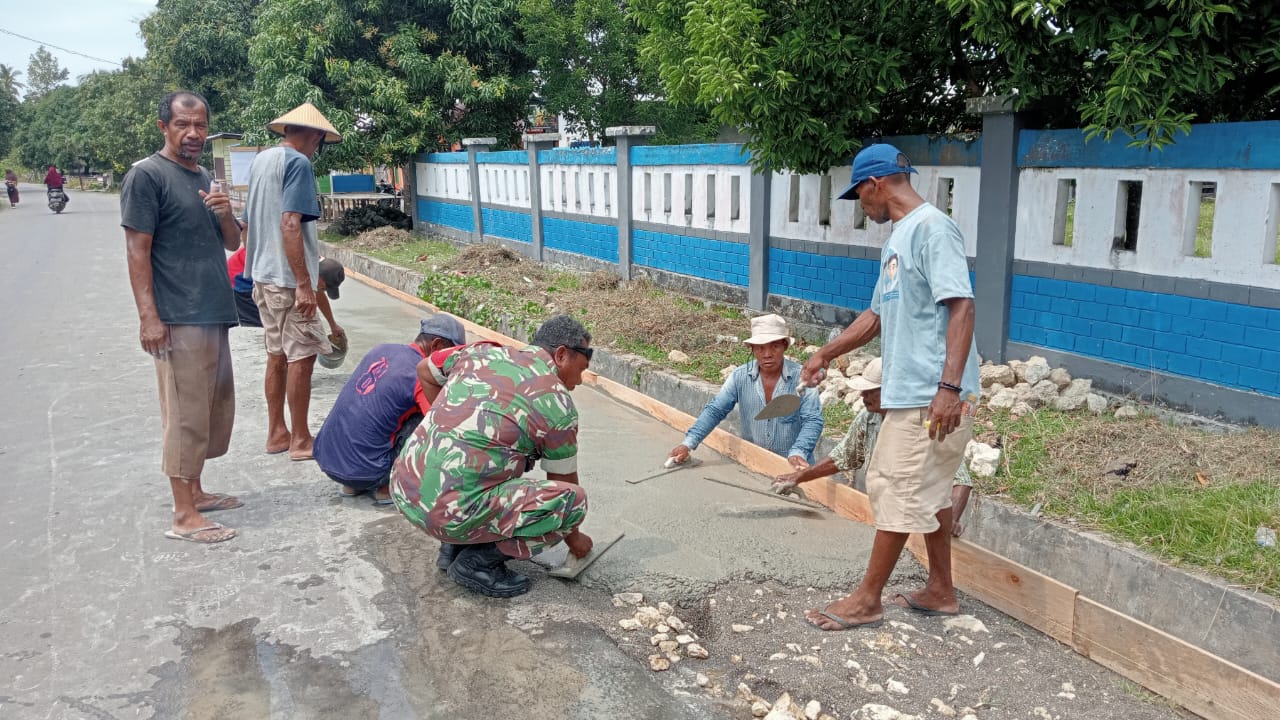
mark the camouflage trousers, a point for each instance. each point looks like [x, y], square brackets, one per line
[523, 516]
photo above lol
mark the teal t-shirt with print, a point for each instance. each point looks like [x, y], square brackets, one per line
[922, 264]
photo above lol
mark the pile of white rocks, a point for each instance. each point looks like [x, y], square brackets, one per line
[784, 708]
[1021, 387]
[671, 638]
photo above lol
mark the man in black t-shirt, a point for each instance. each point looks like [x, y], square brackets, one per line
[176, 228]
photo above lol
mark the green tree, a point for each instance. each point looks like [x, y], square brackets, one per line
[9, 110]
[417, 73]
[203, 46]
[43, 73]
[9, 84]
[806, 81]
[116, 125]
[49, 134]
[1145, 68]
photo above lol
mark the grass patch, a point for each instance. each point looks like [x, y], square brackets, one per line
[1204, 229]
[836, 417]
[1191, 497]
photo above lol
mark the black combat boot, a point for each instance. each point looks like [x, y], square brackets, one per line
[483, 568]
[448, 551]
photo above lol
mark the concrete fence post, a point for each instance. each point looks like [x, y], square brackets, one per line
[475, 146]
[626, 137]
[409, 195]
[997, 222]
[534, 144]
[758, 240]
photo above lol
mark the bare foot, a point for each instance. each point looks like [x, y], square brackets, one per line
[301, 449]
[198, 529]
[278, 443]
[849, 610]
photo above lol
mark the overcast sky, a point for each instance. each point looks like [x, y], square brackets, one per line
[106, 29]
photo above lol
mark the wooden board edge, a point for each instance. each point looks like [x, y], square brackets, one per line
[1200, 681]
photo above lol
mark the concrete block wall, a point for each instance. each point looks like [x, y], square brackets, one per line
[507, 223]
[725, 261]
[592, 239]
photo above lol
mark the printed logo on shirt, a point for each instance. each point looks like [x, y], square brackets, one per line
[369, 380]
[890, 271]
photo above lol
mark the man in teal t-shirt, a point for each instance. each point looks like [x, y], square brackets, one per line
[922, 309]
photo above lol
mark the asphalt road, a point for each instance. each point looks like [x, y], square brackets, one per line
[331, 608]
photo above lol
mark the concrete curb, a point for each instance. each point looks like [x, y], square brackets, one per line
[1235, 624]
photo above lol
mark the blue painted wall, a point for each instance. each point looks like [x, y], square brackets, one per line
[447, 214]
[453, 158]
[579, 156]
[725, 262]
[842, 281]
[352, 183]
[503, 157]
[507, 224]
[1242, 146]
[718, 154]
[1223, 343]
[584, 238]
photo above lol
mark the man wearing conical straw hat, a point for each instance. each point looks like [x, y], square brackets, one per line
[283, 259]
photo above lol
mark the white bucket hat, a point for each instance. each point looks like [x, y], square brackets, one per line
[769, 328]
[306, 115]
[869, 379]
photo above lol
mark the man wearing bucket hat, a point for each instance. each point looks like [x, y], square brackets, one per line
[922, 309]
[750, 387]
[854, 451]
[378, 410]
[283, 259]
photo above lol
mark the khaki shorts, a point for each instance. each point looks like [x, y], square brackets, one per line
[285, 331]
[197, 398]
[910, 476]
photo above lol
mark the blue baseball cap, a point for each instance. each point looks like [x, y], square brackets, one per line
[879, 160]
[445, 326]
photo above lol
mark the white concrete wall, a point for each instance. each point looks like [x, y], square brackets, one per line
[846, 223]
[705, 211]
[448, 181]
[581, 189]
[1244, 230]
[504, 184]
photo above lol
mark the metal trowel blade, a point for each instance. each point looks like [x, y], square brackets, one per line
[779, 406]
[574, 566]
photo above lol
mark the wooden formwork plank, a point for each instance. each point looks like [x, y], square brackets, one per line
[1019, 592]
[1194, 678]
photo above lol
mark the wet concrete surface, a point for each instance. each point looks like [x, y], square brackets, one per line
[327, 607]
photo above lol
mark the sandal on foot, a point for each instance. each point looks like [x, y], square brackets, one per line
[220, 502]
[214, 533]
[844, 624]
[919, 609]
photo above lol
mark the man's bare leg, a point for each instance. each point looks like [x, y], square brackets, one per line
[187, 519]
[277, 430]
[959, 500]
[298, 393]
[939, 593]
[863, 604]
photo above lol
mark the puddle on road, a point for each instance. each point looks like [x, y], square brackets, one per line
[451, 654]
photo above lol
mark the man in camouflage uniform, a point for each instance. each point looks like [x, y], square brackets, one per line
[495, 411]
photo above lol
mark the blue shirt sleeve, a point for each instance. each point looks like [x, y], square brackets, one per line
[811, 425]
[716, 410]
[300, 187]
[944, 265]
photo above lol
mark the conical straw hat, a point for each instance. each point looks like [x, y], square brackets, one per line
[306, 115]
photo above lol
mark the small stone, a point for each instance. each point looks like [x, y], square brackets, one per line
[740, 628]
[1265, 537]
[812, 710]
[649, 617]
[1045, 391]
[662, 628]
[674, 657]
[701, 680]
[733, 658]
[1127, 412]
[1005, 399]
[675, 623]
[778, 656]
[759, 709]
[984, 460]
[897, 687]
[1002, 374]
[1060, 377]
[1042, 713]
[1022, 408]
[1036, 369]
[697, 652]
[943, 709]
[457, 633]
[977, 660]
[873, 711]
[660, 637]
[795, 647]
[677, 356]
[668, 645]
[629, 624]
[1097, 404]
[684, 639]
[744, 692]
[1068, 687]
[665, 608]
[811, 659]
[632, 599]
[811, 349]
[657, 663]
[966, 623]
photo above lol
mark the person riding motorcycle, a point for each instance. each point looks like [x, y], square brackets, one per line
[11, 187]
[54, 181]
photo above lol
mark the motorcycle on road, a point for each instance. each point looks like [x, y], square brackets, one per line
[57, 199]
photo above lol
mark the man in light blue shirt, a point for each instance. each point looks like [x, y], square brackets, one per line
[923, 311]
[750, 387]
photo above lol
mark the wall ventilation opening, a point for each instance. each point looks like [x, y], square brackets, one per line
[1064, 213]
[824, 200]
[688, 197]
[793, 200]
[666, 193]
[735, 197]
[859, 216]
[711, 197]
[564, 190]
[1197, 231]
[648, 194]
[946, 195]
[1272, 244]
[591, 192]
[1128, 210]
[608, 193]
[577, 191]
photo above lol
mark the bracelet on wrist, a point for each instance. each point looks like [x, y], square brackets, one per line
[948, 386]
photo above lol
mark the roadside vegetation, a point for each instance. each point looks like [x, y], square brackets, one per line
[1192, 497]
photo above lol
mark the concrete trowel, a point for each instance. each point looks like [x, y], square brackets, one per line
[779, 406]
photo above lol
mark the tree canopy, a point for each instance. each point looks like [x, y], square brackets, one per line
[43, 73]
